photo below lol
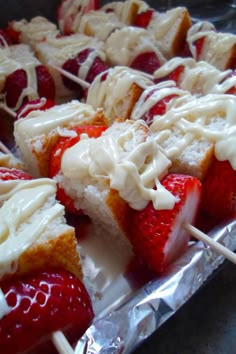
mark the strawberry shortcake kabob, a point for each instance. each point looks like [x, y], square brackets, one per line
[41, 278]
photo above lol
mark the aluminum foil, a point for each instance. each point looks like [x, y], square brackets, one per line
[120, 329]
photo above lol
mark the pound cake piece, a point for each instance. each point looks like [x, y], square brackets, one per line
[116, 91]
[38, 132]
[216, 48]
[193, 132]
[35, 235]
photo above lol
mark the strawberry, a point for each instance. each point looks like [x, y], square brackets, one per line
[55, 160]
[159, 107]
[46, 85]
[7, 174]
[4, 38]
[73, 65]
[40, 104]
[41, 304]
[158, 236]
[143, 19]
[198, 46]
[219, 191]
[174, 75]
[12, 33]
[14, 85]
[147, 62]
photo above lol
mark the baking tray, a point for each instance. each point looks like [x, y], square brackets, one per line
[130, 313]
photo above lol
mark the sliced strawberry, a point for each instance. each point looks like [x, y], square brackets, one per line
[41, 304]
[46, 85]
[14, 85]
[158, 236]
[147, 62]
[7, 174]
[55, 160]
[143, 19]
[175, 75]
[40, 104]
[13, 34]
[5, 38]
[97, 67]
[159, 107]
[198, 46]
[73, 65]
[219, 191]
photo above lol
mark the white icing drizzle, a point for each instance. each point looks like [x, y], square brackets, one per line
[31, 218]
[198, 77]
[43, 122]
[99, 24]
[211, 117]
[4, 307]
[69, 14]
[125, 44]
[124, 10]
[131, 161]
[36, 30]
[108, 93]
[153, 94]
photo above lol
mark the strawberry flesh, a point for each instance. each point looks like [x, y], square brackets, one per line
[46, 85]
[31, 106]
[175, 75]
[219, 191]
[7, 174]
[12, 33]
[55, 161]
[14, 85]
[147, 62]
[198, 46]
[41, 304]
[158, 236]
[5, 38]
[143, 19]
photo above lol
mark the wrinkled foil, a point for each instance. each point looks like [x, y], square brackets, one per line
[121, 328]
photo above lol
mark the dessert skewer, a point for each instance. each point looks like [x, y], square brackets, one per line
[53, 278]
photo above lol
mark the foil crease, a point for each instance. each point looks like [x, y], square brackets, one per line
[121, 329]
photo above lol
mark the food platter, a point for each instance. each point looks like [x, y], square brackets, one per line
[129, 313]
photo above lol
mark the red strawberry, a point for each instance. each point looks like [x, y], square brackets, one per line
[46, 85]
[143, 19]
[41, 304]
[14, 85]
[147, 62]
[219, 191]
[40, 104]
[73, 65]
[159, 108]
[174, 75]
[198, 46]
[4, 38]
[158, 236]
[13, 34]
[7, 174]
[55, 160]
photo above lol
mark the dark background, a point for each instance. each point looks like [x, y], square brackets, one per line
[207, 323]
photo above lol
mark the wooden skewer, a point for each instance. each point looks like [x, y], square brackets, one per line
[216, 246]
[72, 77]
[61, 343]
[5, 149]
